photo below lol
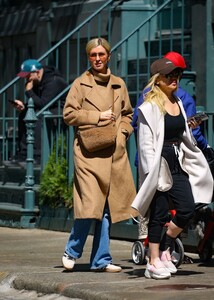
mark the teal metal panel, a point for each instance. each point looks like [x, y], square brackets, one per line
[132, 14]
[209, 57]
[188, 83]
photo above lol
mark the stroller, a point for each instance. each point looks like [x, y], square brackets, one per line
[140, 249]
[204, 221]
[204, 224]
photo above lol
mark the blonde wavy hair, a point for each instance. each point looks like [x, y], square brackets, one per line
[97, 42]
[154, 93]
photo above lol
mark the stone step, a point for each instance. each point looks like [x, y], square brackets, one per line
[16, 174]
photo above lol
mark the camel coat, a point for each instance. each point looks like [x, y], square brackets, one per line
[104, 174]
[150, 144]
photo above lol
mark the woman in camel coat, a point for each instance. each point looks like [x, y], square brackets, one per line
[103, 184]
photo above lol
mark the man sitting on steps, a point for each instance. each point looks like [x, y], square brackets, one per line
[43, 84]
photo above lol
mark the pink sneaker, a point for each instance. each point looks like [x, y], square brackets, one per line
[157, 271]
[166, 259]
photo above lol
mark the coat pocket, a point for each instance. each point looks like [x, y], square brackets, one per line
[165, 180]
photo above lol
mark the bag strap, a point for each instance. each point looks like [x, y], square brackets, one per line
[113, 103]
[113, 100]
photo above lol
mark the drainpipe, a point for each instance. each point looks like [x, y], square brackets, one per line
[210, 68]
[209, 56]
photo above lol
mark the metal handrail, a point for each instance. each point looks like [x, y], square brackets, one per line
[62, 40]
[112, 50]
[123, 41]
[76, 30]
[13, 89]
[53, 101]
[141, 24]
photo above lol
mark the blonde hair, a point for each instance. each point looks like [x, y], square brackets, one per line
[154, 93]
[97, 42]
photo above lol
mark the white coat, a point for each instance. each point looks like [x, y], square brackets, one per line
[150, 144]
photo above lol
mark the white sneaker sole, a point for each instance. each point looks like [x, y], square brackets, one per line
[151, 275]
[172, 269]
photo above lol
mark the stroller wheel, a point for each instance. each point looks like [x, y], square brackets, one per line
[138, 253]
[178, 253]
[206, 253]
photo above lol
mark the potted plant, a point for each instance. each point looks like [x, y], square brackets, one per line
[55, 191]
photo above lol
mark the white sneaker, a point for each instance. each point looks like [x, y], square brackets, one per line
[68, 262]
[157, 271]
[112, 269]
[166, 259]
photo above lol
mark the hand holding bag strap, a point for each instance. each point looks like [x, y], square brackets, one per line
[100, 124]
[97, 137]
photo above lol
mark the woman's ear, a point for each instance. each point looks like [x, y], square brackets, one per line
[158, 80]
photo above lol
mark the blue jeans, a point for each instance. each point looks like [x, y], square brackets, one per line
[100, 255]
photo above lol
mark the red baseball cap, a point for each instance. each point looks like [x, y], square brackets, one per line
[176, 58]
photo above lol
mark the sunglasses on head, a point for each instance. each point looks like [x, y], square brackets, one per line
[174, 74]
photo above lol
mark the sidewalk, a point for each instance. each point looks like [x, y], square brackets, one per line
[31, 259]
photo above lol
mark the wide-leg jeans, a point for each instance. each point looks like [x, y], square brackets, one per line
[100, 255]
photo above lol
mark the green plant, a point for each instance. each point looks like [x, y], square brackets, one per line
[55, 190]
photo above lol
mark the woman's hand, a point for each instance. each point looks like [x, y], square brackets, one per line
[107, 115]
[192, 123]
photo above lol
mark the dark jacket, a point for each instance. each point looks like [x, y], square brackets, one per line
[49, 87]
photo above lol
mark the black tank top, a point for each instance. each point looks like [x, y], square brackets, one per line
[174, 127]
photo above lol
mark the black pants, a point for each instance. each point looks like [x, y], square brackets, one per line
[22, 143]
[181, 197]
[51, 125]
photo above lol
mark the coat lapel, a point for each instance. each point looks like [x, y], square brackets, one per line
[116, 86]
[92, 94]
